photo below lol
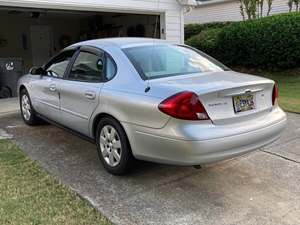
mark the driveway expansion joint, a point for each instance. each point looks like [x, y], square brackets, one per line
[280, 156]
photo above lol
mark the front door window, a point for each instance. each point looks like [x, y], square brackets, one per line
[57, 67]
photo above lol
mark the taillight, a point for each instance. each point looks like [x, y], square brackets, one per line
[184, 105]
[275, 94]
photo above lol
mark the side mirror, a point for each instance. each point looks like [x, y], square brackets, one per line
[37, 71]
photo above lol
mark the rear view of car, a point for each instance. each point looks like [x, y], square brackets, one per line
[215, 113]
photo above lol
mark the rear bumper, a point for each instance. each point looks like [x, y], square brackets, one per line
[210, 148]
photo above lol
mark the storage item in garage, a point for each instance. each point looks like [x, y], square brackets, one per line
[11, 69]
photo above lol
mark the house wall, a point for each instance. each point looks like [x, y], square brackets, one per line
[171, 10]
[226, 11]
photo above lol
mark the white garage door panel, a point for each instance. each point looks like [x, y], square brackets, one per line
[105, 4]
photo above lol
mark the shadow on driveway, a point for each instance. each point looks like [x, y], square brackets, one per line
[259, 188]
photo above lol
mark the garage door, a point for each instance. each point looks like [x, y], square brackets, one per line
[32, 36]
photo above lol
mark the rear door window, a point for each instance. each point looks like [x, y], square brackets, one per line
[88, 67]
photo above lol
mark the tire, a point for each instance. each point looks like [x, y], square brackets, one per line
[5, 92]
[114, 151]
[27, 111]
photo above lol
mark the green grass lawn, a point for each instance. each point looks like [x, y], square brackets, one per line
[289, 87]
[30, 196]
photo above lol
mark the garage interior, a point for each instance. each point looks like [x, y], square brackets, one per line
[29, 37]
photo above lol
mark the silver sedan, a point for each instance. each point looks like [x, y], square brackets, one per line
[150, 100]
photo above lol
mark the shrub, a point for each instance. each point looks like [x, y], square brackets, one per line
[206, 40]
[191, 30]
[271, 42]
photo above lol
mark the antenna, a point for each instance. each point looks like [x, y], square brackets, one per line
[148, 88]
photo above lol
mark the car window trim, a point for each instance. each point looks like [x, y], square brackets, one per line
[70, 65]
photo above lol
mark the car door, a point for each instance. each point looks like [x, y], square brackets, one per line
[80, 90]
[47, 88]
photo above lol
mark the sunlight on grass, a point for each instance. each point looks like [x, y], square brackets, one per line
[289, 89]
[28, 195]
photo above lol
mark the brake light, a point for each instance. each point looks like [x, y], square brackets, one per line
[184, 105]
[275, 94]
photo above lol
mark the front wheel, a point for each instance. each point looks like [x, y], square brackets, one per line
[27, 111]
[113, 147]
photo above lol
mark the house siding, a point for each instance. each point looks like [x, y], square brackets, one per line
[170, 10]
[226, 11]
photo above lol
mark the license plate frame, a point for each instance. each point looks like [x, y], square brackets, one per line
[243, 103]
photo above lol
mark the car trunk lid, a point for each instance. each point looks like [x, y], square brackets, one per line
[223, 94]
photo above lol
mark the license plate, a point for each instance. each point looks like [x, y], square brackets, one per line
[243, 103]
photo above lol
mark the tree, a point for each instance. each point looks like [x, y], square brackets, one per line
[297, 2]
[291, 3]
[252, 9]
[269, 3]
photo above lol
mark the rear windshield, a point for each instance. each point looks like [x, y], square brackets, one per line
[170, 60]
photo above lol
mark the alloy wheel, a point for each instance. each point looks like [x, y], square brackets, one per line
[26, 108]
[110, 145]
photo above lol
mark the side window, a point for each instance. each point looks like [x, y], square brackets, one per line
[110, 68]
[87, 67]
[59, 64]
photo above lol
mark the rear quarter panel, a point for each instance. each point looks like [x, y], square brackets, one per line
[133, 108]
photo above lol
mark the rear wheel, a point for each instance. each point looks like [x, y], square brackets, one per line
[27, 111]
[113, 147]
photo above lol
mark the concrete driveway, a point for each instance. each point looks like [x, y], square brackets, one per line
[259, 188]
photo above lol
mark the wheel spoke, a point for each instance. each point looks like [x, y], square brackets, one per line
[116, 155]
[111, 159]
[117, 144]
[103, 140]
[26, 114]
[104, 152]
[112, 134]
[106, 133]
[26, 100]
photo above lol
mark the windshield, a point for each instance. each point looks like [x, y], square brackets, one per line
[170, 60]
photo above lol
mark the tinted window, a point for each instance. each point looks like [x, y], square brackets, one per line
[87, 67]
[59, 64]
[170, 60]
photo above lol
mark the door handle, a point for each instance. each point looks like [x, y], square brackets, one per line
[52, 87]
[90, 95]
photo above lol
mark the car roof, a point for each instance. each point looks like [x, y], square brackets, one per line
[121, 42]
